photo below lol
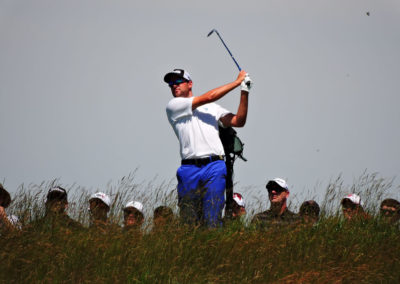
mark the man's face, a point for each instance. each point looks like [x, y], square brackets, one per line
[349, 209]
[57, 206]
[98, 208]
[238, 211]
[390, 213]
[180, 87]
[277, 195]
[132, 217]
[160, 221]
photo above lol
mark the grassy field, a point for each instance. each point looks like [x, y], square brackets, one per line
[333, 251]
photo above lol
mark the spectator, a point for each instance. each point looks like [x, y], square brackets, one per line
[239, 206]
[390, 210]
[56, 216]
[133, 215]
[352, 207]
[278, 215]
[309, 212]
[163, 217]
[99, 206]
[7, 223]
[238, 213]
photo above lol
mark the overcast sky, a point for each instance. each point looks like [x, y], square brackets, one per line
[82, 96]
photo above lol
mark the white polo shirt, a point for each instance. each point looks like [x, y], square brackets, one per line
[197, 130]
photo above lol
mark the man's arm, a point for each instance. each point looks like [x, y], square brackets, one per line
[238, 119]
[217, 93]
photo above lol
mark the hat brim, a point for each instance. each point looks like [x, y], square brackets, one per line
[131, 208]
[102, 201]
[273, 184]
[169, 77]
[346, 199]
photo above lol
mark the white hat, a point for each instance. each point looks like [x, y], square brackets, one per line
[176, 74]
[134, 204]
[239, 199]
[102, 196]
[354, 198]
[281, 182]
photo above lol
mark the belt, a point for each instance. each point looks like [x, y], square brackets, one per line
[202, 161]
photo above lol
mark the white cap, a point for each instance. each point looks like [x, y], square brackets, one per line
[281, 182]
[102, 196]
[354, 198]
[134, 204]
[177, 73]
[239, 199]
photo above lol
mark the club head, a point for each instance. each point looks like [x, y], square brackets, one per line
[210, 33]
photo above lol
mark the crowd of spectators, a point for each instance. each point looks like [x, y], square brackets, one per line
[277, 216]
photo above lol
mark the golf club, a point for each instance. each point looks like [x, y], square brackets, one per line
[214, 30]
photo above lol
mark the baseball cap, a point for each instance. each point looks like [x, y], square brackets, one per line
[177, 74]
[238, 198]
[134, 204]
[57, 193]
[102, 196]
[354, 198]
[280, 182]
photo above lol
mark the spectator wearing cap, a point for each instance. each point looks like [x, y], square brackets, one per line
[239, 206]
[163, 217]
[56, 216]
[352, 207]
[278, 214]
[99, 206]
[195, 121]
[7, 223]
[133, 215]
[390, 210]
[238, 212]
[309, 212]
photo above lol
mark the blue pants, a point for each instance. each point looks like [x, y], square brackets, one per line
[201, 193]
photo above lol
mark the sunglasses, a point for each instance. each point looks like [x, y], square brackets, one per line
[176, 82]
[277, 189]
[388, 212]
[347, 204]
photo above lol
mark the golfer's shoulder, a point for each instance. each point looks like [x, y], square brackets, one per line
[178, 103]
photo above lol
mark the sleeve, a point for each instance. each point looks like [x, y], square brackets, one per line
[178, 108]
[221, 112]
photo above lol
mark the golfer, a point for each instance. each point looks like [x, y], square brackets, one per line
[195, 120]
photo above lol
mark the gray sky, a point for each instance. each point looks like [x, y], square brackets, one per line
[82, 97]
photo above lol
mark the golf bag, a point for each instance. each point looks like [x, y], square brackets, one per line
[233, 148]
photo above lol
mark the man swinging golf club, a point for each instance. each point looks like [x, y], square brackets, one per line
[195, 120]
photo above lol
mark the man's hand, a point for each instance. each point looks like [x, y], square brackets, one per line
[241, 76]
[246, 84]
[217, 93]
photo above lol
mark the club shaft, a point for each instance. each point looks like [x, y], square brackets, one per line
[230, 53]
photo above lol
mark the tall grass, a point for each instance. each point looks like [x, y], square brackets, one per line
[333, 251]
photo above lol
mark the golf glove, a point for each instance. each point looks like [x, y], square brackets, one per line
[246, 84]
